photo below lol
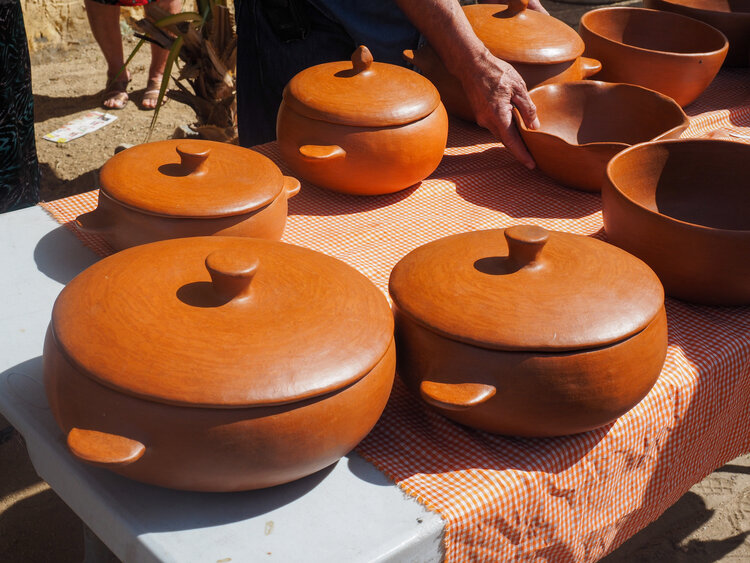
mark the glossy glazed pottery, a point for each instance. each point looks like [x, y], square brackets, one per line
[541, 48]
[528, 332]
[183, 188]
[218, 363]
[683, 207]
[672, 54]
[361, 127]
[731, 17]
[584, 124]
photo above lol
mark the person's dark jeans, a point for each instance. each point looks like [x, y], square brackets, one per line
[265, 64]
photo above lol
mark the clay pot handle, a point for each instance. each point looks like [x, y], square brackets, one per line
[291, 186]
[455, 396]
[516, 7]
[94, 222]
[590, 66]
[525, 244]
[322, 152]
[361, 59]
[101, 448]
[192, 158]
[231, 273]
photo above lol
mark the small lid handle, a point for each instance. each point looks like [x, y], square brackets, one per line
[525, 243]
[516, 7]
[231, 273]
[193, 157]
[361, 59]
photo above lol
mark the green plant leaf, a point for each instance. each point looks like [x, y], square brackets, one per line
[125, 65]
[179, 18]
[171, 58]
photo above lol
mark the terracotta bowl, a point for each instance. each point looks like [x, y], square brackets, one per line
[672, 54]
[584, 124]
[732, 18]
[683, 207]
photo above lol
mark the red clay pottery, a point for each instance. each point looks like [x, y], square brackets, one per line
[361, 127]
[179, 188]
[584, 124]
[683, 207]
[541, 48]
[731, 17]
[672, 54]
[218, 363]
[528, 332]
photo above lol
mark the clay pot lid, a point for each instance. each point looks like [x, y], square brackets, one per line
[222, 322]
[191, 178]
[516, 34]
[526, 289]
[361, 93]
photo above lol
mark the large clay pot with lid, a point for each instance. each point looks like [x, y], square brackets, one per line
[528, 332]
[218, 363]
[184, 188]
[543, 50]
[361, 127]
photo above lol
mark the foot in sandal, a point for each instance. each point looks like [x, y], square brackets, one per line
[116, 93]
[151, 95]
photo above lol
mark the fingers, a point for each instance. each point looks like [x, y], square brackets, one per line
[505, 130]
[526, 108]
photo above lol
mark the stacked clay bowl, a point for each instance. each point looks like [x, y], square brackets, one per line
[672, 54]
[584, 124]
[683, 207]
[361, 127]
[731, 17]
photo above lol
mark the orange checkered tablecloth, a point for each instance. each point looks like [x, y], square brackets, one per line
[573, 498]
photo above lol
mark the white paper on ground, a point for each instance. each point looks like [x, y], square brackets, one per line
[80, 126]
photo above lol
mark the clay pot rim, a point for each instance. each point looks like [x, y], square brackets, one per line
[722, 13]
[661, 216]
[608, 86]
[587, 16]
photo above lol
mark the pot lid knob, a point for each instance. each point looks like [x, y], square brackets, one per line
[193, 157]
[515, 7]
[525, 243]
[231, 273]
[361, 59]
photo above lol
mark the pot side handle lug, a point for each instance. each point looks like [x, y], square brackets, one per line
[94, 222]
[103, 449]
[590, 66]
[322, 152]
[291, 186]
[455, 396]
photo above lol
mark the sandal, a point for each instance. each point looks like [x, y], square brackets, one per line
[151, 95]
[116, 93]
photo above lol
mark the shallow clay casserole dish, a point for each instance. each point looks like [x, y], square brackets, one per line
[361, 127]
[683, 207]
[584, 124]
[179, 188]
[218, 363]
[528, 332]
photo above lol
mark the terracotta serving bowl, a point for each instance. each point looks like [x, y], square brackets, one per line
[541, 48]
[528, 332]
[683, 207]
[361, 127]
[672, 54]
[178, 188]
[731, 17]
[584, 124]
[218, 363]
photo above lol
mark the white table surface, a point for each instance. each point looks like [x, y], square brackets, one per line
[347, 513]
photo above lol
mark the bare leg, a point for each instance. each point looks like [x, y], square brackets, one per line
[158, 58]
[105, 25]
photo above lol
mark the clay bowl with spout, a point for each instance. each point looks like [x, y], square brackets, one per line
[584, 124]
[670, 53]
[178, 188]
[683, 207]
[731, 17]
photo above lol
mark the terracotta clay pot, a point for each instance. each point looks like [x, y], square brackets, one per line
[732, 18]
[179, 188]
[541, 48]
[528, 332]
[683, 207]
[361, 127]
[218, 363]
[672, 54]
[584, 124]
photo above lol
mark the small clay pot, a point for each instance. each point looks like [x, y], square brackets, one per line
[178, 188]
[584, 124]
[361, 127]
[528, 332]
[683, 207]
[541, 48]
[218, 363]
[732, 18]
[672, 54]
